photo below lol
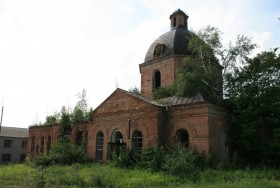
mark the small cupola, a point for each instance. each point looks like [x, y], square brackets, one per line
[178, 19]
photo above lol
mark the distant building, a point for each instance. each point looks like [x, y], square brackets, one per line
[136, 121]
[13, 144]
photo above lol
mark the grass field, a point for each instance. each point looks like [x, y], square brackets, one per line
[96, 175]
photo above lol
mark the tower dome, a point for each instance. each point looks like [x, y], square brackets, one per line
[174, 41]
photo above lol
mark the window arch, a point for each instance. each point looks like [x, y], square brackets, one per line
[32, 144]
[49, 143]
[137, 140]
[99, 146]
[182, 136]
[117, 137]
[157, 79]
[42, 144]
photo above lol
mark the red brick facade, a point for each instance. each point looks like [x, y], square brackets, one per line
[136, 121]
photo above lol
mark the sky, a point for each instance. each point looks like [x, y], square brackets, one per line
[51, 50]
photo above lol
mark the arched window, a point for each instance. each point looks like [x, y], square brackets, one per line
[136, 140]
[174, 21]
[99, 146]
[42, 144]
[32, 144]
[182, 137]
[117, 137]
[49, 143]
[157, 80]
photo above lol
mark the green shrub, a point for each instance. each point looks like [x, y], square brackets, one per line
[153, 158]
[124, 158]
[63, 152]
[184, 162]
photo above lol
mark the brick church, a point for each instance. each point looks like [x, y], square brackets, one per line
[137, 121]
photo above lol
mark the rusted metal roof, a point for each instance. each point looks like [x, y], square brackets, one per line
[182, 100]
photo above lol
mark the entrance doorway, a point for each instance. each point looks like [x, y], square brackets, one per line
[116, 144]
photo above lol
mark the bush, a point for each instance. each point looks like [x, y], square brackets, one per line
[184, 162]
[63, 153]
[125, 158]
[153, 158]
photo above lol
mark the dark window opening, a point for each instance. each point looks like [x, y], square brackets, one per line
[32, 144]
[79, 138]
[85, 139]
[6, 157]
[136, 140]
[37, 149]
[157, 80]
[22, 158]
[8, 143]
[174, 22]
[182, 137]
[99, 146]
[49, 143]
[24, 144]
[42, 144]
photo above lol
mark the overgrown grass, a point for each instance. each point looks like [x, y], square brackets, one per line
[96, 175]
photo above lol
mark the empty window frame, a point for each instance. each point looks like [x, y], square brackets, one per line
[137, 140]
[6, 157]
[8, 143]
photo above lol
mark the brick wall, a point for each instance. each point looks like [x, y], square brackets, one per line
[167, 66]
[38, 132]
[115, 113]
[203, 122]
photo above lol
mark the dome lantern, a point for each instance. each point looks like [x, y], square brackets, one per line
[178, 19]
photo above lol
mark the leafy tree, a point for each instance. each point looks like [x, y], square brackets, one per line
[65, 120]
[63, 152]
[80, 112]
[135, 90]
[201, 71]
[52, 119]
[254, 104]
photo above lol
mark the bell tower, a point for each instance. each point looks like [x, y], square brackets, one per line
[163, 58]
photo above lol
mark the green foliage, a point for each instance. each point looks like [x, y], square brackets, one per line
[153, 158]
[135, 90]
[65, 120]
[79, 114]
[163, 92]
[183, 162]
[63, 152]
[96, 175]
[52, 119]
[124, 158]
[254, 104]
